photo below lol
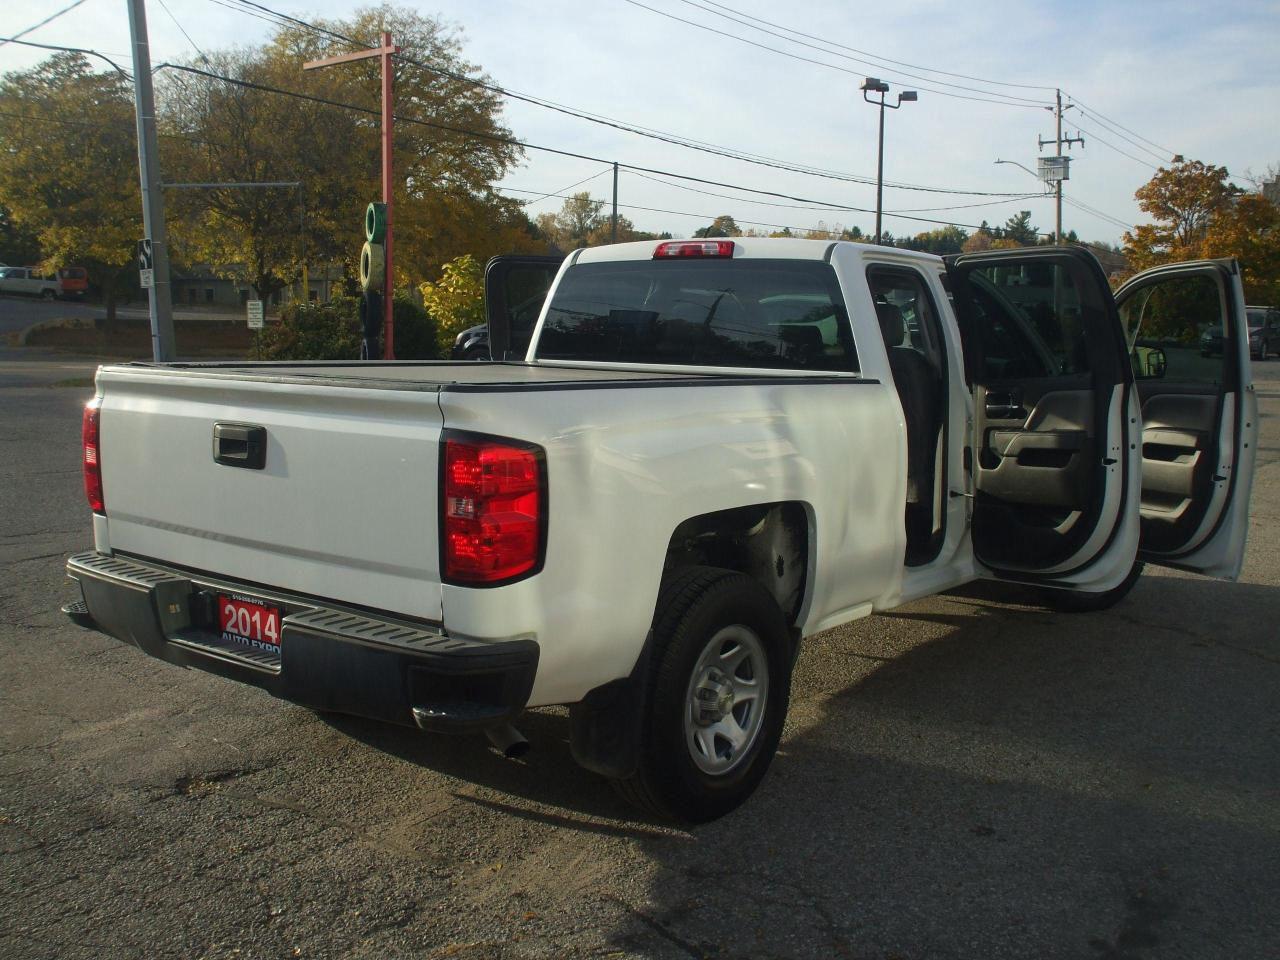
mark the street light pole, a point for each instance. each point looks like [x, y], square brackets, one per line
[872, 85]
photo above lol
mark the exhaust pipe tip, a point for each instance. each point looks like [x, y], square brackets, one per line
[509, 741]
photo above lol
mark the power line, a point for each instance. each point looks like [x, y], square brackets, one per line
[564, 190]
[866, 63]
[249, 7]
[166, 9]
[822, 63]
[793, 206]
[876, 57]
[48, 19]
[1102, 116]
[760, 223]
[1112, 146]
[1098, 213]
[1093, 118]
[512, 141]
[81, 50]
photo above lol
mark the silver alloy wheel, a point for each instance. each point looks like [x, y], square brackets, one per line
[725, 701]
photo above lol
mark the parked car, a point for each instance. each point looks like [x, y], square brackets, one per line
[472, 344]
[1264, 334]
[710, 450]
[30, 282]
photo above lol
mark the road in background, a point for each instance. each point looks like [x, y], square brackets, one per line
[19, 313]
[966, 777]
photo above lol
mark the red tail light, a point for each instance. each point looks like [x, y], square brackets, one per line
[693, 248]
[92, 457]
[493, 504]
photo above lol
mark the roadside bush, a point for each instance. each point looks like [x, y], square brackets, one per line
[456, 301]
[314, 331]
[415, 332]
[331, 331]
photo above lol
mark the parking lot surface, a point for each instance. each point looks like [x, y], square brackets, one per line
[969, 776]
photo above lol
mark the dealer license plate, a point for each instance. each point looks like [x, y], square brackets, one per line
[250, 622]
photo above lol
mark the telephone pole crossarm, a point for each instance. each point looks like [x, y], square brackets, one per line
[384, 53]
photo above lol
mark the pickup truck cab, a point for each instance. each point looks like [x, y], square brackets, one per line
[710, 450]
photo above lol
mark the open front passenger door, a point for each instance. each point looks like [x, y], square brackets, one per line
[515, 287]
[1053, 454]
[1188, 339]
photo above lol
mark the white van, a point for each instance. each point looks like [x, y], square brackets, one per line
[29, 281]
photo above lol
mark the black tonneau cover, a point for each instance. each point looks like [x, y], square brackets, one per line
[458, 375]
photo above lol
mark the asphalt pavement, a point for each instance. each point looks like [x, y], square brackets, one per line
[969, 776]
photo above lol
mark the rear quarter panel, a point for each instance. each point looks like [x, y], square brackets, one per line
[626, 465]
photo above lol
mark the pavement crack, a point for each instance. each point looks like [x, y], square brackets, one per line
[1198, 637]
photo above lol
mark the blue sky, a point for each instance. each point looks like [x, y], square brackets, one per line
[1202, 80]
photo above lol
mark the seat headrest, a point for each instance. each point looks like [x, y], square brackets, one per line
[891, 326]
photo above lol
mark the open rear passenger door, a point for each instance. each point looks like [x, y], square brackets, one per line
[1189, 346]
[1053, 455]
[515, 287]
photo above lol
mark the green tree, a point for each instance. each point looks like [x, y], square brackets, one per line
[19, 244]
[445, 166]
[942, 241]
[456, 300]
[579, 218]
[722, 226]
[72, 186]
[1249, 230]
[1019, 229]
[1182, 200]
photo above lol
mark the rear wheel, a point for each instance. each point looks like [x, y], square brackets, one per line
[47, 294]
[716, 699]
[1069, 601]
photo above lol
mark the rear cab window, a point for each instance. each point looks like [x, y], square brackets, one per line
[741, 312]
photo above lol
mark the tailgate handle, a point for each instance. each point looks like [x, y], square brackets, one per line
[240, 445]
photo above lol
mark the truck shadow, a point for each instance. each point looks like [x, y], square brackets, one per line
[983, 778]
[967, 776]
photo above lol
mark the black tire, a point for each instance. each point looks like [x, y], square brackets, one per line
[47, 294]
[694, 605]
[1068, 601]
[476, 353]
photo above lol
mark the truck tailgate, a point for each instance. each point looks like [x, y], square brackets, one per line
[344, 506]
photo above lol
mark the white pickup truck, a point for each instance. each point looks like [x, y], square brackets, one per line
[711, 450]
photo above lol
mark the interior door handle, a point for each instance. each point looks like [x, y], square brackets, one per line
[1005, 406]
[240, 445]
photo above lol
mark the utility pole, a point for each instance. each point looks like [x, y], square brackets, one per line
[160, 299]
[615, 201]
[1061, 169]
[385, 53]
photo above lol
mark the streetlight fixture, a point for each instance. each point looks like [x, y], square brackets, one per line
[874, 85]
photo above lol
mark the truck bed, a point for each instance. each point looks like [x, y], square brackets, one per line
[417, 375]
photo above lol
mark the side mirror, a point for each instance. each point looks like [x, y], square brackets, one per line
[1149, 363]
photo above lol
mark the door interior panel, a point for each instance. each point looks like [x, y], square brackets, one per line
[1178, 442]
[1043, 459]
[1043, 352]
[1035, 468]
[1186, 340]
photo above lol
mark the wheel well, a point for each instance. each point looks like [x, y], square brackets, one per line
[768, 542]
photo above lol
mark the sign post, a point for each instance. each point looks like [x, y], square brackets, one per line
[254, 316]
